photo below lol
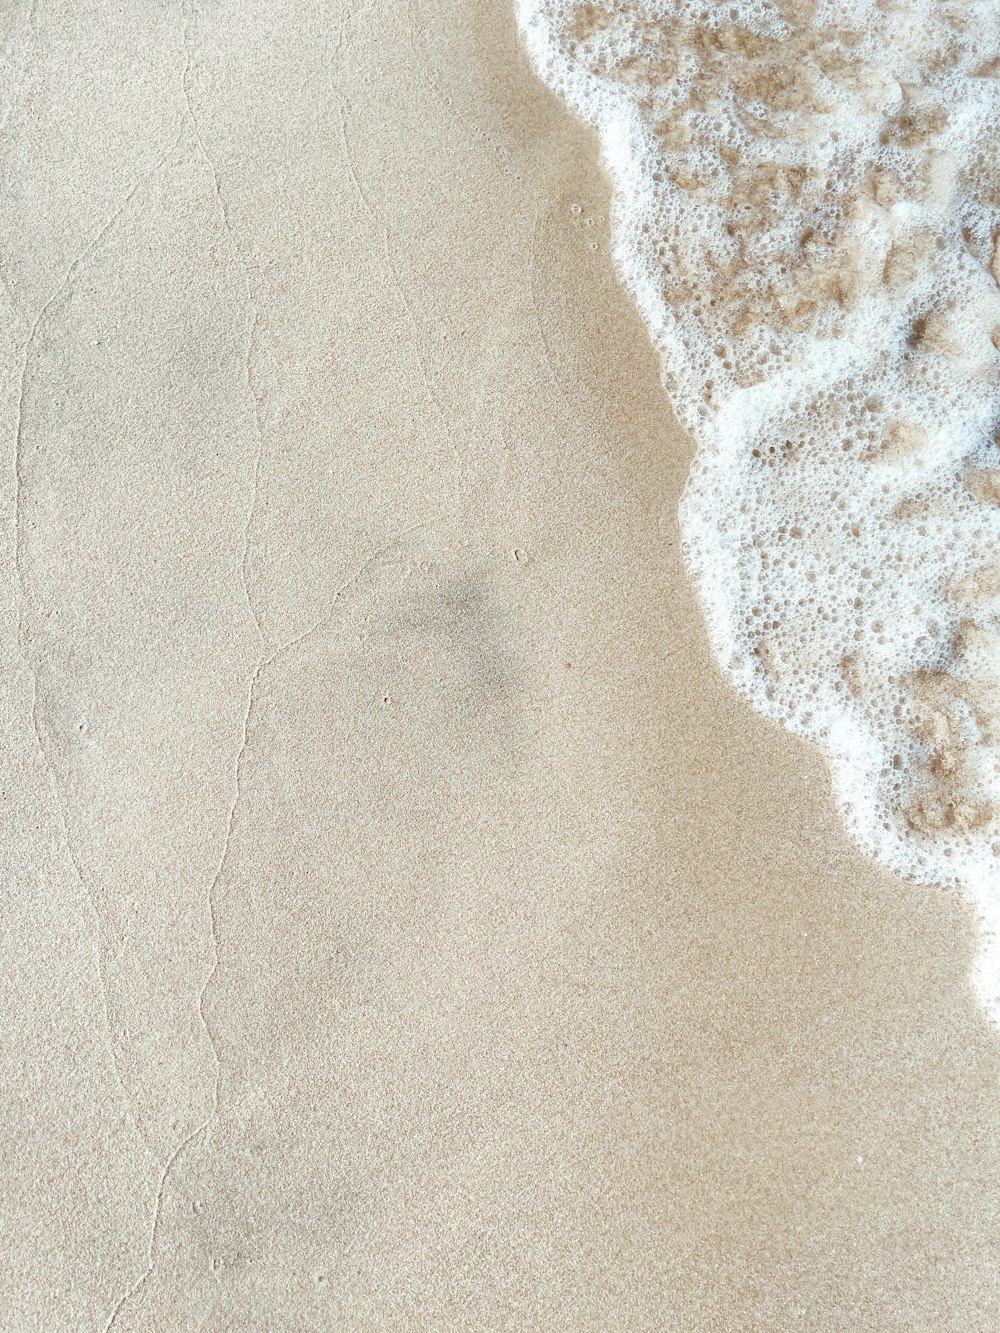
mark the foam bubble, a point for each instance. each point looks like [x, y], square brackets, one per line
[807, 210]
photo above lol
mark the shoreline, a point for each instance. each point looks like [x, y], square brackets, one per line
[551, 992]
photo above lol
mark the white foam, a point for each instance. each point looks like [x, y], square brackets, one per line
[807, 206]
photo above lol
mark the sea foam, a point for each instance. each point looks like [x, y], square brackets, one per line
[807, 210]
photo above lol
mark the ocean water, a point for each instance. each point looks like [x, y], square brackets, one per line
[807, 211]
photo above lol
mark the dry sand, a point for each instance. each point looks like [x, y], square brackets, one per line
[405, 927]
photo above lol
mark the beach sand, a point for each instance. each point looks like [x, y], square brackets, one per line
[406, 927]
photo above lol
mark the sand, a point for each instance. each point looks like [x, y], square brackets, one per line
[405, 925]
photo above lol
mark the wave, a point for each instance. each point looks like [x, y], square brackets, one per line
[807, 211]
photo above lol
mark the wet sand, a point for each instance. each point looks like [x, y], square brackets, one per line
[407, 927]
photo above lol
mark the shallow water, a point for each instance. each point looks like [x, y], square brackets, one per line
[807, 210]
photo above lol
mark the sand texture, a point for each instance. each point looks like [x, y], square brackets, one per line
[405, 927]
